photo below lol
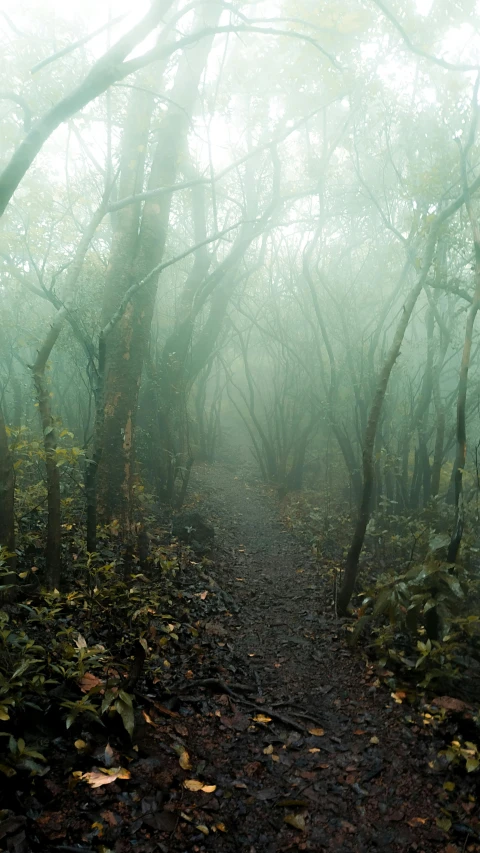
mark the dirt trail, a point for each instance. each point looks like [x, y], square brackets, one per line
[363, 785]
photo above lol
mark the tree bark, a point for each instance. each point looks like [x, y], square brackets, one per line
[109, 69]
[128, 341]
[7, 493]
[351, 566]
[461, 451]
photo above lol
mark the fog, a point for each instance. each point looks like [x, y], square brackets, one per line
[266, 236]
[239, 380]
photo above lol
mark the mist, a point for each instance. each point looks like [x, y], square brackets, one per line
[239, 280]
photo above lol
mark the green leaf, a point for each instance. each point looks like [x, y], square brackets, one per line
[126, 712]
[125, 697]
[440, 540]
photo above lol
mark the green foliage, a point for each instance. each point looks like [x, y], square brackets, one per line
[466, 754]
[69, 655]
[420, 622]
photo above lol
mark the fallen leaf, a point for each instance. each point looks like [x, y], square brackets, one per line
[262, 718]
[417, 821]
[449, 786]
[266, 794]
[317, 732]
[98, 778]
[184, 760]
[374, 740]
[196, 785]
[193, 785]
[81, 642]
[148, 719]
[314, 749]
[268, 749]
[444, 823]
[449, 703]
[399, 696]
[202, 828]
[295, 820]
[89, 680]
[359, 732]
[80, 744]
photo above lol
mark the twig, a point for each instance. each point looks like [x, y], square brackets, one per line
[219, 686]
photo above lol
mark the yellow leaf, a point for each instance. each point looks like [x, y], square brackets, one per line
[98, 778]
[148, 719]
[202, 828]
[262, 718]
[449, 786]
[184, 760]
[80, 744]
[221, 827]
[374, 739]
[399, 696]
[316, 732]
[295, 820]
[193, 785]
[275, 757]
[314, 749]
[268, 749]
[209, 789]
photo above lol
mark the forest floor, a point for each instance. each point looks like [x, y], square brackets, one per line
[280, 738]
[357, 778]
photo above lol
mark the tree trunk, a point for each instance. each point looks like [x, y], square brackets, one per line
[461, 453]
[7, 493]
[109, 69]
[54, 521]
[356, 545]
[353, 556]
[128, 341]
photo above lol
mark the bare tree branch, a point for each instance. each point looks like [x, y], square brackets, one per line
[443, 63]
[69, 48]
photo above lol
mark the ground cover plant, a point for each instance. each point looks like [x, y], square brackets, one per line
[239, 452]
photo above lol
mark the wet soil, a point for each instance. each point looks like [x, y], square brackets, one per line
[273, 735]
[361, 780]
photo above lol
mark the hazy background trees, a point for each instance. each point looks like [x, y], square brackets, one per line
[237, 220]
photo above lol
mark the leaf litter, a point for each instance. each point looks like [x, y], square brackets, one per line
[203, 767]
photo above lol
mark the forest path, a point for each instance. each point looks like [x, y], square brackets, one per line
[363, 785]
